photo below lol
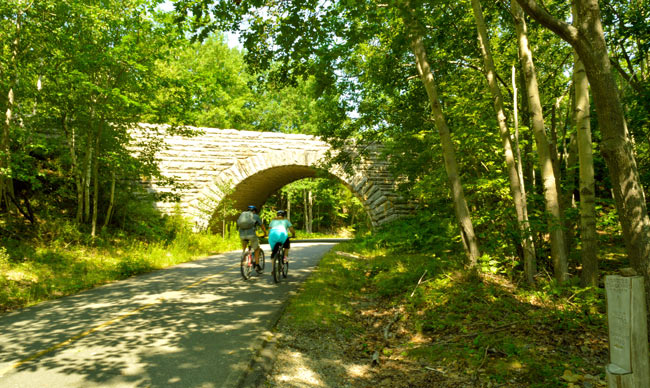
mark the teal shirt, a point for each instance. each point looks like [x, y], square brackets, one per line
[284, 224]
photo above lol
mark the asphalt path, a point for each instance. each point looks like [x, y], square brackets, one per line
[197, 324]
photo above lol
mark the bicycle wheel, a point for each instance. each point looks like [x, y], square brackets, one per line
[261, 261]
[285, 265]
[276, 259]
[246, 269]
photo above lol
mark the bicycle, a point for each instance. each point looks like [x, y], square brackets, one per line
[248, 261]
[280, 267]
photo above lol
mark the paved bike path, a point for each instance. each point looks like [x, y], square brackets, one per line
[196, 324]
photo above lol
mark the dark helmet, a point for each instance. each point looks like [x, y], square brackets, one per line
[282, 213]
[252, 208]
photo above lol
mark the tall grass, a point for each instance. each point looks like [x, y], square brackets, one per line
[60, 260]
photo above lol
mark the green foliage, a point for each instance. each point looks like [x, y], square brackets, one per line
[419, 233]
[4, 259]
[61, 260]
[462, 321]
[335, 209]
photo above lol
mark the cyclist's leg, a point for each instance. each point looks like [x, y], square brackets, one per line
[276, 248]
[286, 246]
[255, 246]
[244, 243]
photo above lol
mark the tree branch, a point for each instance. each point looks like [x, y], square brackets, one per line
[632, 82]
[541, 15]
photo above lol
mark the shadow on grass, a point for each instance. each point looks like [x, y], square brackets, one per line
[428, 322]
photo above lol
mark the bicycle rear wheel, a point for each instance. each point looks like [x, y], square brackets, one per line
[285, 265]
[276, 259]
[246, 269]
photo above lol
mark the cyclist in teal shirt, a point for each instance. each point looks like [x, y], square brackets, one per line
[279, 229]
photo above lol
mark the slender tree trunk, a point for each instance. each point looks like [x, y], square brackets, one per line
[568, 200]
[87, 174]
[460, 205]
[223, 220]
[553, 143]
[95, 173]
[554, 213]
[588, 39]
[111, 203]
[6, 182]
[589, 251]
[528, 165]
[306, 215]
[310, 217]
[289, 205]
[513, 174]
[565, 197]
[76, 170]
[520, 164]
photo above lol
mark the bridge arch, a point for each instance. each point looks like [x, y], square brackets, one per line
[256, 178]
[257, 164]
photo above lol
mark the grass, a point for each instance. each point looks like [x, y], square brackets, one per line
[481, 329]
[57, 263]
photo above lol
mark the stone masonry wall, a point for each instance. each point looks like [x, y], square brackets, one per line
[257, 164]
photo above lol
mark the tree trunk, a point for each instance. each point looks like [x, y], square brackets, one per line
[589, 252]
[588, 40]
[568, 198]
[305, 214]
[554, 214]
[470, 242]
[310, 219]
[289, 205]
[111, 202]
[76, 170]
[513, 174]
[223, 221]
[87, 173]
[6, 182]
[520, 164]
[95, 173]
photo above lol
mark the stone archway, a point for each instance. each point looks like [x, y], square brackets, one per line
[257, 164]
[255, 179]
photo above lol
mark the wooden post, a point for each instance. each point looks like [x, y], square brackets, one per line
[629, 366]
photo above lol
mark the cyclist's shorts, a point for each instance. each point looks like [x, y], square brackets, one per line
[278, 236]
[255, 241]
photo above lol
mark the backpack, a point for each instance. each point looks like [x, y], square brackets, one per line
[246, 220]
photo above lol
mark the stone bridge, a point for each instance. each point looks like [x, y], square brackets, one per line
[254, 165]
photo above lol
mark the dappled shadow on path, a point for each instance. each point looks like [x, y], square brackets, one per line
[148, 331]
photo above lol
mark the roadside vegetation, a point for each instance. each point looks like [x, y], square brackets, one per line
[405, 314]
[58, 259]
[527, 190]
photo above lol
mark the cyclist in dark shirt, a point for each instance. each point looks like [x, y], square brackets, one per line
[249, 234]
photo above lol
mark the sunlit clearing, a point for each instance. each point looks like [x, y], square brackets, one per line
[301, 373]
[357, 371]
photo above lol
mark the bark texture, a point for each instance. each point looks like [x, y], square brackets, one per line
[588, 40]
[504, 132]
[589, 276]
[460, 204]
[551, 197]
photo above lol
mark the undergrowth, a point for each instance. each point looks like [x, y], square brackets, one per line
[481, 328]
[58, 259]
